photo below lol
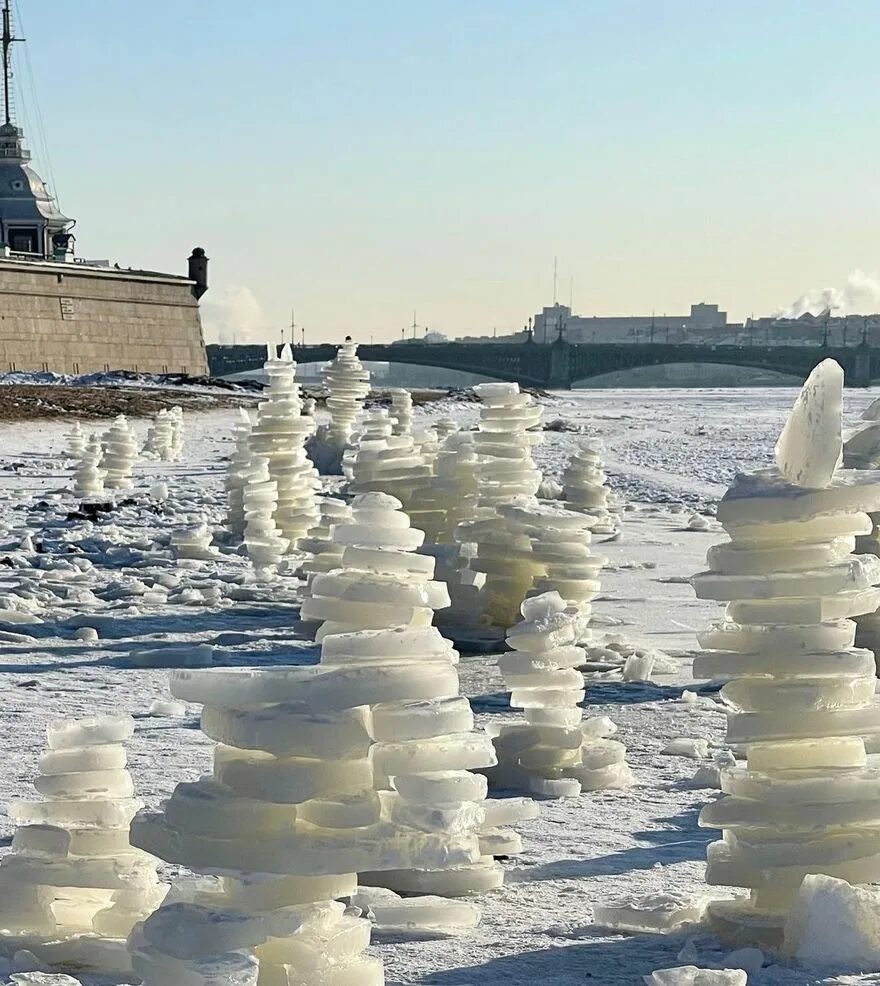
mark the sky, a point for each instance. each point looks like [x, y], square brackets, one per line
[361, 160]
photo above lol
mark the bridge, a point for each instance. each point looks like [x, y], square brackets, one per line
[560, 364]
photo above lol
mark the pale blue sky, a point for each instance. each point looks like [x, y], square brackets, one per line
[362, 159]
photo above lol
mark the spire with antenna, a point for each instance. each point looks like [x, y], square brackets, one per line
[8, 40]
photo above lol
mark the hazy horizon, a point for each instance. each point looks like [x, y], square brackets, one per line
[358, 162]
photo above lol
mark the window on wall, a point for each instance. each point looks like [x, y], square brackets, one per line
[25, 239]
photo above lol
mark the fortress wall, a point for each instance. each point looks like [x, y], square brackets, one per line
[81, 320]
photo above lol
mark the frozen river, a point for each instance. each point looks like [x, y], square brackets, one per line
[669, 451]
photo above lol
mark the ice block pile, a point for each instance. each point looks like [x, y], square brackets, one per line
[75, 441]
[444, 500]
[159, 443]
[278, 434]
[292, 811]
[384, 462]
[377, 607]
[120, 454]
[347, 383]
[801, 696]
[555, 753]
[262, 538]
[401, 411]
[193, 543]
[72, 886]
[324, 553]
[237, 474]
[88, 476]
[176, 415]
[504, 470]
[584, 486]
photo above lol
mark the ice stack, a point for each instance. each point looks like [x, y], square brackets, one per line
[402, 411]
[347, 383]
[801, 696]
[383, 462]
[444, 500]
[377, 609]
[278, 434]
[555, 753]
[292, 813]
[88, 476]
[76, 441]
[325, 554]
[176, 415]
[72, 886]
[504, 470]
[159, 442]
[861, 450]
[237, 473]
[120, 453]
[584, 486]
[262, 539]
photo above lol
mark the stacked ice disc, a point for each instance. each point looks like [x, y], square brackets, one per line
[555, 752]
[278, 434]
[377, 609]
[325, 554]
[75, 441]
[504, 470]
[442, 501]
[585, 489]
[347, 383]
[237, 474]
[444, 428]
[88, 476]
[72, 886]
[120, 454]
[401, 411]
[159, 443]
[801, 696]
[263, 541]
[552, 553]
[288, 818]
[384, 462]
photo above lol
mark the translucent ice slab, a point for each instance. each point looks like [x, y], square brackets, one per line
[654, 913]
[828, 664]
[67, 733]
[779, 639]
[291, 730]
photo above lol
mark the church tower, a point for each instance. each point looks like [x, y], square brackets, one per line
[31, 225]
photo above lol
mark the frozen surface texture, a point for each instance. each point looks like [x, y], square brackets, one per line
[554, 753]
[72, 886]
[801, 696]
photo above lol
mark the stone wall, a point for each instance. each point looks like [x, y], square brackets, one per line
[77, 319]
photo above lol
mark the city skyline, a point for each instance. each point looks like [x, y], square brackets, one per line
[359, 163]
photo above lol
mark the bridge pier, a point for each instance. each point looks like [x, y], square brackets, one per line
[858, 371]
[560, 365]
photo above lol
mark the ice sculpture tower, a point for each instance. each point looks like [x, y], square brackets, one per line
[801, 695]
[72, 886]
[378, 607]
[279, 435]
[347, 383]
[554, 753]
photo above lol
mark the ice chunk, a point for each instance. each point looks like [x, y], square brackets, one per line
[655, 913]
[811, 444]
[167, 710]
[66, 733]
[420, 916]
[689, 975]
[834, 924]
[685, 746]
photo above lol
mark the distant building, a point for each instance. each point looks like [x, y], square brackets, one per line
[811, 330]
[627, 328]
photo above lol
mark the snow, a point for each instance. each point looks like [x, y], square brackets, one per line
[672, 452]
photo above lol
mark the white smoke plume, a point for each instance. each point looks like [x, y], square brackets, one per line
[860, 295]
[235, 316]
